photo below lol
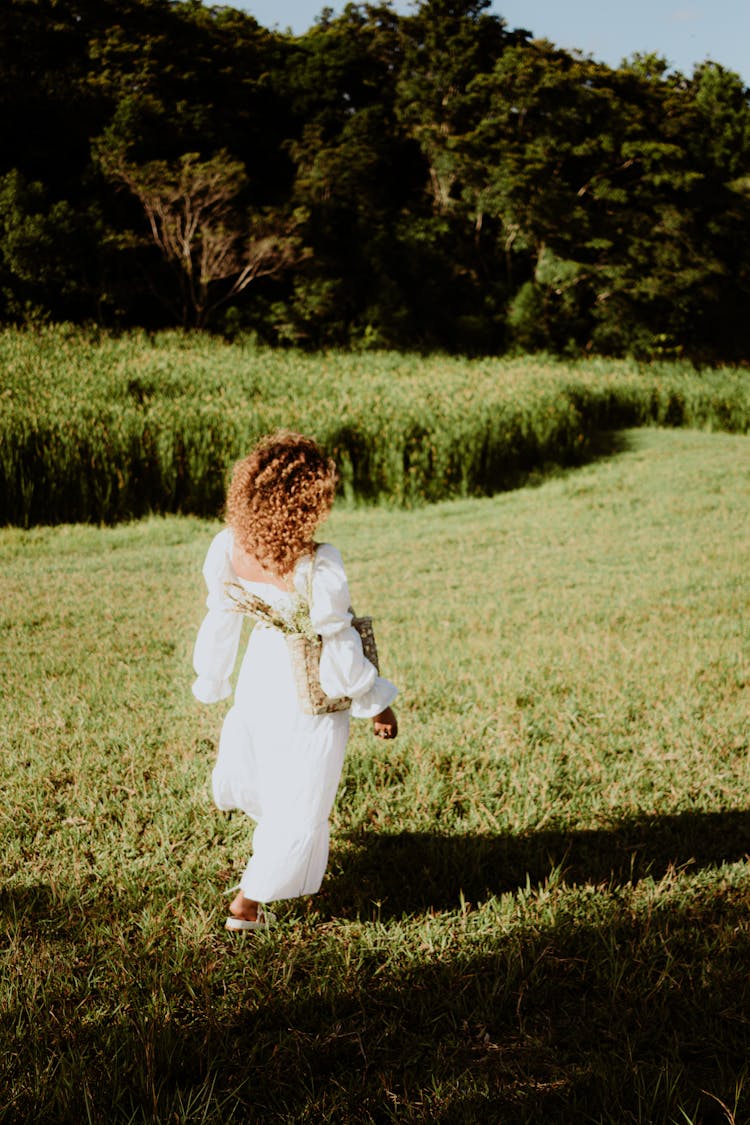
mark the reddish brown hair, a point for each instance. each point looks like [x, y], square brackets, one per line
[277, 498]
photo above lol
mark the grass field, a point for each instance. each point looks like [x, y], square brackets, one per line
[538, 901]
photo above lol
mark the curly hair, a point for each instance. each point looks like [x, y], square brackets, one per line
[278, 496]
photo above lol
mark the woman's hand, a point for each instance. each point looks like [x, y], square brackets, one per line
[385, 725]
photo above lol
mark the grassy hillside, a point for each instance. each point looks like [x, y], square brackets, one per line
[538, 902]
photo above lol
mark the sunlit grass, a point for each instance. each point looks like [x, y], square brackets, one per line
[538, 897]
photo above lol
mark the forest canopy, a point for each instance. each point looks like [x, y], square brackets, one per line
[431, 181]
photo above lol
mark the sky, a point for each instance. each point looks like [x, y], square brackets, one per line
[684, 32]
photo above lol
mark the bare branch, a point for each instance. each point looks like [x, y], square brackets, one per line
[191, 211]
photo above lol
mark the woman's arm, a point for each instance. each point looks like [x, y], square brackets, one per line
[344, 669]
[218, 638]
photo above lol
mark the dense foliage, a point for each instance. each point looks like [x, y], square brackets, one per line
[106, 429]
[435, 180]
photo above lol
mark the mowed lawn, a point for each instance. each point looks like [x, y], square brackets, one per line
[538, 900]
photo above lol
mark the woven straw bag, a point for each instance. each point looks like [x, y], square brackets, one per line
[305, 654]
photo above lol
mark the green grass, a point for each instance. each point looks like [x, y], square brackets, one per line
[538, 901]
[100, 429]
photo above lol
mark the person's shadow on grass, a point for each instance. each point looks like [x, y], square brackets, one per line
[411, 872]
[573, 1017]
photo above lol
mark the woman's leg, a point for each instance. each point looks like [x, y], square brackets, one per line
[290, 843]
[235, 779]
[246, 908]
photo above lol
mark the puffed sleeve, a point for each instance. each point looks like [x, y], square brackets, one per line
[219, 635]
[344, 669]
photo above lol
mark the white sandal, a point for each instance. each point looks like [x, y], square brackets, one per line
[264, 920]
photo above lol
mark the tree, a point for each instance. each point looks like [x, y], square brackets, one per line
[196, 224]
[356, 175]
[608, 212]
[447, 43]
[678, 272]
[47, 252]
[454, 184]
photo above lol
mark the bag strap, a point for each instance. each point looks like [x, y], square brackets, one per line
[309, 582]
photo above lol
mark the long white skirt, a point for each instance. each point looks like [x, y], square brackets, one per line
[282, 768]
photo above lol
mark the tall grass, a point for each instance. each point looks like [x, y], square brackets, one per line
[103, 429]
[538, 901]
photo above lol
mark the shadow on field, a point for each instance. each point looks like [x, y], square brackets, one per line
[20, 903]
[590, 1014]
[611, 1017]
[597, 445]
[411, 872]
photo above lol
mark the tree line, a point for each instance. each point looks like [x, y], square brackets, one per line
[431, 181]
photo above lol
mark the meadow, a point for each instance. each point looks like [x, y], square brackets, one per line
[100, 428]
[538, 900]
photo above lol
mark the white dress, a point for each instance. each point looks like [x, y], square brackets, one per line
[277, 764]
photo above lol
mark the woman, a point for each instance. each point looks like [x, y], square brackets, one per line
[278, 764]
